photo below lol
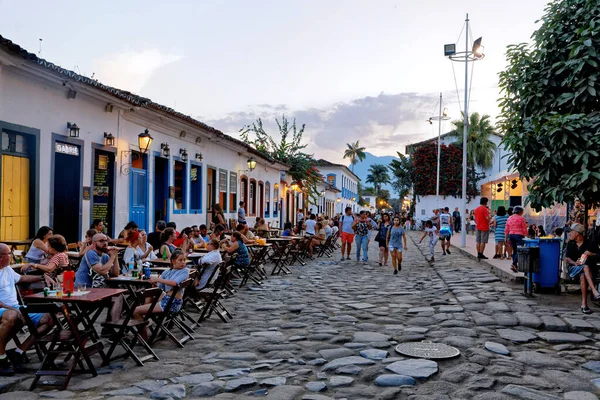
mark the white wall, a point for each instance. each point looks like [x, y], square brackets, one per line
[428, 203]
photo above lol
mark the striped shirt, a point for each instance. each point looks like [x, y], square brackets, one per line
[500, 226]
[516, 225]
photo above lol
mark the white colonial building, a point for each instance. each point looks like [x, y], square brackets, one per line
[74, 150]
[341, 178]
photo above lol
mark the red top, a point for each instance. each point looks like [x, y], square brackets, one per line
[482, 222]
[516, 225]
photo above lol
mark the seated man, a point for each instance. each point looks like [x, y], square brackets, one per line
[578, 259]
[204, 233]
[11, 320]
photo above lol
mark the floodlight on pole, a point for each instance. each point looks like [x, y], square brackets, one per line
[467, 56]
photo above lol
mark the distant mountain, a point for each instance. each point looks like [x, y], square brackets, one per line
[361, 169]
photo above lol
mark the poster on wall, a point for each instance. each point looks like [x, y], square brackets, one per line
[103, 195]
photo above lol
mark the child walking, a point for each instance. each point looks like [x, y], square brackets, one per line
[396, 242]
[430, 231]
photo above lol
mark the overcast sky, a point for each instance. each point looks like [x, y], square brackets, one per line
[367, 70]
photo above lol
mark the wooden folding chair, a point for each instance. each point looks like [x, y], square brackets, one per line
[212, 296]
[128, 324]
[64, 339]
[279, 258]
[165, 320]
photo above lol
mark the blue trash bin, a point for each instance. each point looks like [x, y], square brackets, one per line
[549, 275]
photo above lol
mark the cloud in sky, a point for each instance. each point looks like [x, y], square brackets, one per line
[384, 124]
[130, 69]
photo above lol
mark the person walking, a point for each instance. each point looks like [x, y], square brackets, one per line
[381, 239]
[361, 226]
[515, 231]
[430, 231]
[482, 226]
[395, 238]
[444, 225]
[347, 232]
[499, 225]
[457, 220]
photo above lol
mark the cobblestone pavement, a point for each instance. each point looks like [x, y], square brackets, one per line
[330, 329]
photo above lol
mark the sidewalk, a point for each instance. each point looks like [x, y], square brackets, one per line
[499, 267]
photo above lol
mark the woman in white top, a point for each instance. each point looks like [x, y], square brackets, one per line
[145, 249]
[209, 262]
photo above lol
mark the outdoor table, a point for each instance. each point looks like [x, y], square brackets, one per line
[86, 306]
[13, 244]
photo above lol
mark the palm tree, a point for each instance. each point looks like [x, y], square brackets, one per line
[480, 149]
[378, 175]
[355, 153]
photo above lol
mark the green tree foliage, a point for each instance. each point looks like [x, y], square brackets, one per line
[403, 174]
[378, 175]
[480, 149]
[549, 106]
[355, 153]
[288, 150]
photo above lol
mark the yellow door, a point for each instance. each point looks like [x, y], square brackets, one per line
[14, 215]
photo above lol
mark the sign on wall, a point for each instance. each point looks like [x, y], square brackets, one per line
[65, 148]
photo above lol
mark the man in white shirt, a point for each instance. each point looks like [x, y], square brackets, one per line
[309, 226]
[11, 320]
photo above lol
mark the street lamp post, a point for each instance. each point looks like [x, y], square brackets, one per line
[443, 116]
[476, 53]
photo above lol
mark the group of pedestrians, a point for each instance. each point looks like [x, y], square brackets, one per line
[390, 237]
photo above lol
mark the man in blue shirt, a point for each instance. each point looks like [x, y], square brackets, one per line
[347, 232]
[96, 264]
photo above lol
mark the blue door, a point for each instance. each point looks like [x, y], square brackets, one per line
[138, 198]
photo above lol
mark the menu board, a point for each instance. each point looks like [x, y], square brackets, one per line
[103, 188]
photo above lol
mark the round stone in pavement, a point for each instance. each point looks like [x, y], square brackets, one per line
[497, 348]
[208, 388]
[387, 380]
[592, 366]
[418, 369]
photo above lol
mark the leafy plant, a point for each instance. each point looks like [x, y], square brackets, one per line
[403, 173]
[287, 150]
[355, 153]
[550, 113]
[378, 175]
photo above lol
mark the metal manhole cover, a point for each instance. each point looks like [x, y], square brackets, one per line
[428, 350]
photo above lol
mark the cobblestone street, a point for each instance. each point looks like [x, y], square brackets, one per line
[329, 331]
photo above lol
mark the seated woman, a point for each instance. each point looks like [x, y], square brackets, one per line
[167, 237]
[131, 254]
[209, 263]
[218, 233]
[287, 229]
[238, 247]
[184, 241]
[39, 246]
[247, 235]
[167, 281]
[83, 246]
[318, 238]
[52, 266]
[145, 249]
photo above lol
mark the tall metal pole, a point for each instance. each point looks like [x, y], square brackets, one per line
[437, 185]
[463, 236]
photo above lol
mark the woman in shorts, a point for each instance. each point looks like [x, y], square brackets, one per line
[395, 236]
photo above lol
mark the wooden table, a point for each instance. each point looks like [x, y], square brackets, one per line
[87, 306]
[132, 285]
